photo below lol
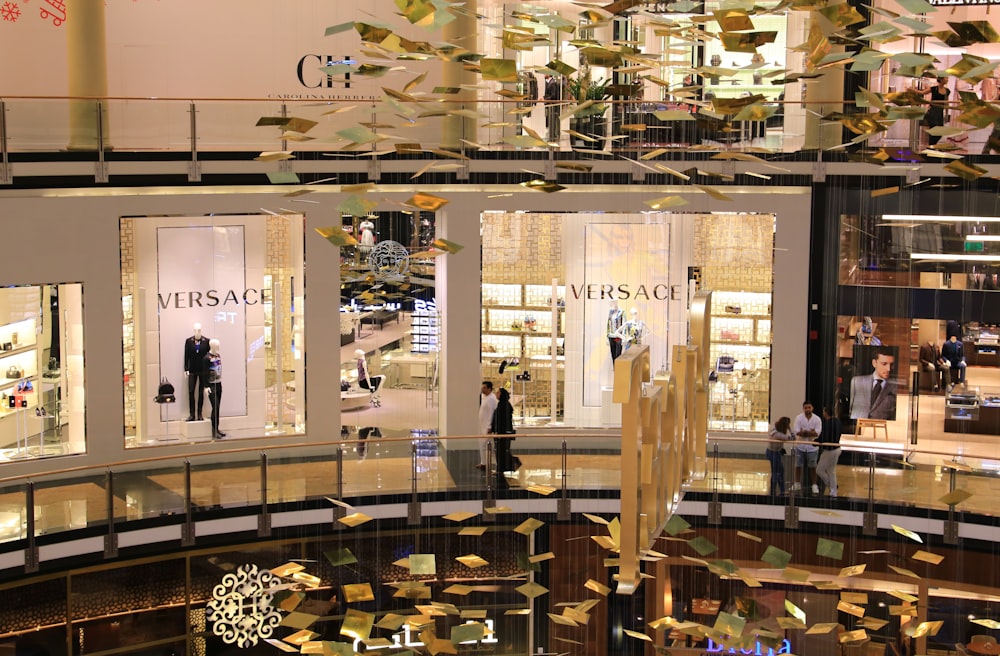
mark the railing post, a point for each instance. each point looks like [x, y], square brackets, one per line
[187, 530]
[31, 550]
[563, 506]
[264, 518]
[194, 166]
[413, 508]
[111, 539]
[950, 525]
[490, 500]
[715, 506]
[101, 169]
[914, 407]
[871, 519]
[338, 510]
[6, 175]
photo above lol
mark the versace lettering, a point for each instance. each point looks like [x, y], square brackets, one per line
[621, 292]
[211, 298]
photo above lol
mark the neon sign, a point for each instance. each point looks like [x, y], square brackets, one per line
[758, 650]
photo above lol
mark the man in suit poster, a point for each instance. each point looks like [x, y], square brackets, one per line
[873, 394]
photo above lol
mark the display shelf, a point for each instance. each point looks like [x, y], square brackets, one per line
[741, 330]
[533, 347]
[425, 327]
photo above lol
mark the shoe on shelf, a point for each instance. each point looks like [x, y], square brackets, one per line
[200, 418]
[833, 493]
[190, 418]
[218, 435]
[815, 489]
[481, 466]
[796, 487]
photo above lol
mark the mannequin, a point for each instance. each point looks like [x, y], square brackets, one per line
[634, 331]
[371, 383]
[615, 318]
[367, 230]
[212, 368]
[195, 348]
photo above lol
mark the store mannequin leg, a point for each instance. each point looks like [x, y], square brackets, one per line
[215, 398]
[196, 395]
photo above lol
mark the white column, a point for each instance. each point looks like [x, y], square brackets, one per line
[459, 297]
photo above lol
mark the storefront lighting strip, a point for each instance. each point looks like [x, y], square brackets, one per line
[945, 257]
[909, 218]
[982, 238]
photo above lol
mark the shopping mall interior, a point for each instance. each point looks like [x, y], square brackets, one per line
[644, 231]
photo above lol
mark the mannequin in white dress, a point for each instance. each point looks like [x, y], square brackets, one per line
[367, 230]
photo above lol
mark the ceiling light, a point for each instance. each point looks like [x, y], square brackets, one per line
[945, 257]
[983, 238]
[940, 219]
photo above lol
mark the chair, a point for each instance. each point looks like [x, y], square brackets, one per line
[874, 424]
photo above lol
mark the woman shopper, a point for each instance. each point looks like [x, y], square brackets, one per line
[780, 433]
[503, 424]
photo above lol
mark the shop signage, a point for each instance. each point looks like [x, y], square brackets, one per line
[211, 298]
[758, 650]
[622, 292]
[241, 608]
[406, 639]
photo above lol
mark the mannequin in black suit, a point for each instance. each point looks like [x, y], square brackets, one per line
[195, 348]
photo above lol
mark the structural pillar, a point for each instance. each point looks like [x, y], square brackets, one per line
[460, 32]
[87, 65]
[459, 291]
[823, 95]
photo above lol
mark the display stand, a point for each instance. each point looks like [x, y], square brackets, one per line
[193, 429]
[165, 418]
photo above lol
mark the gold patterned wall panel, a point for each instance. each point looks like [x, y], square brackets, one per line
[522, 247]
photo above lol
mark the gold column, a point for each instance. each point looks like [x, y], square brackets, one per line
[824, 94]
[460, 32]
[87, 63]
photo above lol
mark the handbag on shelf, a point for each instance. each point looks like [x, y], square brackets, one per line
[13, 371]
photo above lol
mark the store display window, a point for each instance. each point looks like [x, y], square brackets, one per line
[733, 258]
[390, 325]
[42, 409]
[564, 295]
[214, 311]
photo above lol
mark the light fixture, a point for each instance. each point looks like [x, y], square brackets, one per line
[909, 218]
[946, 257]
[982, 238]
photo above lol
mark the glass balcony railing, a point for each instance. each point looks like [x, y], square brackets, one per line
[422, 468]
[365, 128]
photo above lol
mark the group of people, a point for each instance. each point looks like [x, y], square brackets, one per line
[496, 417]
[942, 362]
[815, 445]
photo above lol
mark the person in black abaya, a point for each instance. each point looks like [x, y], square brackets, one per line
[503, 424]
